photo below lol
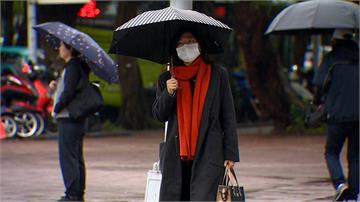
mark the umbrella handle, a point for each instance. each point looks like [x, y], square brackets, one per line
[172, 68]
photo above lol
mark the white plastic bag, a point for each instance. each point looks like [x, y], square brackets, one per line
[153, 184]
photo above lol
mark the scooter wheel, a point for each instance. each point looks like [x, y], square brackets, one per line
[28, 124]
[41, 122]
[10, 125]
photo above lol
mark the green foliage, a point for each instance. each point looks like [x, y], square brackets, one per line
[19, 7]
[150, 72]
[298, 121]
[111, 127]
[102, 36]
[153, 123]
[112, 92]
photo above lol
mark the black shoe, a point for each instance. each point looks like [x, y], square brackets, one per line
[64, 198]
[342, 191]
[71, 198]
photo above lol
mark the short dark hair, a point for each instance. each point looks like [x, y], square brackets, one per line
[197, 35]
[74, 52]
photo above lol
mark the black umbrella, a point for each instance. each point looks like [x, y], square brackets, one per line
[98, 60]
[150, 34]
[316, 16]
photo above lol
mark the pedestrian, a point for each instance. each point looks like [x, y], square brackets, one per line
[341, 99]
[71, 132]
[195, 99]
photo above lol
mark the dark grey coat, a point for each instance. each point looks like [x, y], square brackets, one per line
[217, 140]
[342, 100]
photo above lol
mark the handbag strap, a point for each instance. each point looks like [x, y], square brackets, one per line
[225, 178]
[326, 83]
[230, 177]
[84, 80]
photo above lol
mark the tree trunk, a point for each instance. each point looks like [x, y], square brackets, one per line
[7, 13]
[299, 50]
[263, 63]
[66, 13]
[133, 113]
[14, 15]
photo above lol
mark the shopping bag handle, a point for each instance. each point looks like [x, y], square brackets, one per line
[230, 177]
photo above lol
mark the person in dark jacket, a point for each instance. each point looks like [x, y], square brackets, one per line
[341, 100]
[195, 99]
[71, 132]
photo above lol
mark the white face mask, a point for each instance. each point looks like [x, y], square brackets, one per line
[188, 52]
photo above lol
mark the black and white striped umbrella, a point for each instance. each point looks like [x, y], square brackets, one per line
[151, 34]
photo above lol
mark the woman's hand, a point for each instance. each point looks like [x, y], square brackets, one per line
[52, 85]
[229, 163]
[172, 86]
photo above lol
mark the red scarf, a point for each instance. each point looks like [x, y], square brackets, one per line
[190, 106]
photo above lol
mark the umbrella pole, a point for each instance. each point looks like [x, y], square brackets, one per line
[172, 68]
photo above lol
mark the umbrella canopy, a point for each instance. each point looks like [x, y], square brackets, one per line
[99, 61]
[151, 34]
[316, 16]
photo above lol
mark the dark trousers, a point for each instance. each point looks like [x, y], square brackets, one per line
[71, 134]
[336, 136]
[186, 178]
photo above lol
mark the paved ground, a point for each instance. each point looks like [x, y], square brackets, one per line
[272, 168]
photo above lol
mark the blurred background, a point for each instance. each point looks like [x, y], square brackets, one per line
[270, 75]
[271, 79]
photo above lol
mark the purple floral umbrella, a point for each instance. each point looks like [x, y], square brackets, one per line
[99, 61]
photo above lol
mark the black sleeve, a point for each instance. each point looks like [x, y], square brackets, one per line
[321, 72]
[72, 77]
[228, 119]
[319, 78]
[164, 103]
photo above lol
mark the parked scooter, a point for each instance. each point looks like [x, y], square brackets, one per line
[28, 99]
[44, 102]
[10, 128]
[18, 97]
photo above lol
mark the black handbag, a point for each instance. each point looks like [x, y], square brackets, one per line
[314, 115]
[87, 101]
[230, 190]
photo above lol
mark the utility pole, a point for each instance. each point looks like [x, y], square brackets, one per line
[183, 4]
[31, 33]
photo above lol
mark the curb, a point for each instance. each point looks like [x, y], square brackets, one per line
[97, 134]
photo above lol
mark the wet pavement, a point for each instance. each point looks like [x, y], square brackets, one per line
[272, 168]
